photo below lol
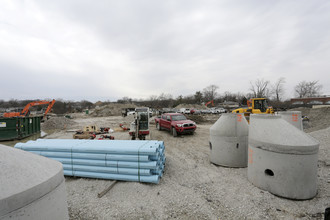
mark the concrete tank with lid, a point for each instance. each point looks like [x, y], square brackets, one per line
[293, 117]
[32, 187]
[228, 140]
[281, 158]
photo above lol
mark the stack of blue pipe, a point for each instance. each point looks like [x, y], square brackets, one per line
[126, 160]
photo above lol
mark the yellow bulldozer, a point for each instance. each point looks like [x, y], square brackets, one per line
[255, 106]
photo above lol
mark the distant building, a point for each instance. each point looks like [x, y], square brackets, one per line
[311, 101]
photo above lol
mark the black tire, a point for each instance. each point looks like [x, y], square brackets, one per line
[158, 126]
[174, 133]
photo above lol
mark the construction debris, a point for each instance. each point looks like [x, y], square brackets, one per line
[90, 132]
[101, 194]
[104, 137]
[84, 135]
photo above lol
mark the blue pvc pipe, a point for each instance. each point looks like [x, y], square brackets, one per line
[147, 179]
[120, 159]
[123, 164]
[115, 170]
[92, 146]
[98, 156]
[112, 143]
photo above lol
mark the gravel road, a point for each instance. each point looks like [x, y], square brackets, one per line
[192, 187]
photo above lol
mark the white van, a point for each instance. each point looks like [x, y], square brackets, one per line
[184, 110]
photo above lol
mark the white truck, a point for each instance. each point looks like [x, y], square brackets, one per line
[184, 110]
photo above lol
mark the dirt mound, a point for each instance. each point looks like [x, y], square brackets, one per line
[319, 118]
[113, 109]
[57, 123]
[203, 119]
[196, 106]
[197, 118]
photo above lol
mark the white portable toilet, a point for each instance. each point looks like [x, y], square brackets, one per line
[31, 187]
[293, 117]
[281, 158]
[228, 140]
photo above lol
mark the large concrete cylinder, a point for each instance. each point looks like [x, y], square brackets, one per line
[281, 158]
[293, 117]
[228, 140]
[32, 187]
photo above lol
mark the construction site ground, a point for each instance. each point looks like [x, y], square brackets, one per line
[192, 187]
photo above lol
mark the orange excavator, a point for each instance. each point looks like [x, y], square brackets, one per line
[210, 102]
[26, 111]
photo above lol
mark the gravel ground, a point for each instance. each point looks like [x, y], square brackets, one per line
[192, 187]
[319, 118]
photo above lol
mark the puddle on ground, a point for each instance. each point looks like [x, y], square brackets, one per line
[24, 140]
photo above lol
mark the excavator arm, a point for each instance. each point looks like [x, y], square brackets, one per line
[25, 111]
[210, 102]
[50, 106]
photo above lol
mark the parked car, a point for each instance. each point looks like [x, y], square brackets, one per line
[127, 111]
[218, 110]
[184, 110]
[222, 110]
[206, 111]
[195, 111]
[131, 113]
[176, 123]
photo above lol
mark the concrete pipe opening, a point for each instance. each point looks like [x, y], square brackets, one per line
[269, 172]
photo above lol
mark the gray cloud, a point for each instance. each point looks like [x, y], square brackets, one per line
[112, 49]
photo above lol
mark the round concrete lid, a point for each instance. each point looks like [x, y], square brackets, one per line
[25, 177]
[272, 133]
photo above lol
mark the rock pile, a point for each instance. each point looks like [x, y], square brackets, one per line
[319, 118]
[57, 123]
[113, 109]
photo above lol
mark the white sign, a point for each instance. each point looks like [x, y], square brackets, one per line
[3, 124]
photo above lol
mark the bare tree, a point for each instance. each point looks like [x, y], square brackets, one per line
[228, 96]
[308, 89]
[165, 96]
[125, 99]
[278, 88]
[210, 92]
[165, 100]
[153, 98]
[198, 97]
[260, 88]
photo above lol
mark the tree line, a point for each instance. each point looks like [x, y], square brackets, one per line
[258, 88]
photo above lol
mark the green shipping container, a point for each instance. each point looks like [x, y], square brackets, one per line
[19, 127]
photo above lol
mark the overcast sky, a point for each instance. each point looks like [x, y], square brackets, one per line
[105, 50]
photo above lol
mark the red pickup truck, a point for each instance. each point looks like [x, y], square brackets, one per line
[176, 123]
